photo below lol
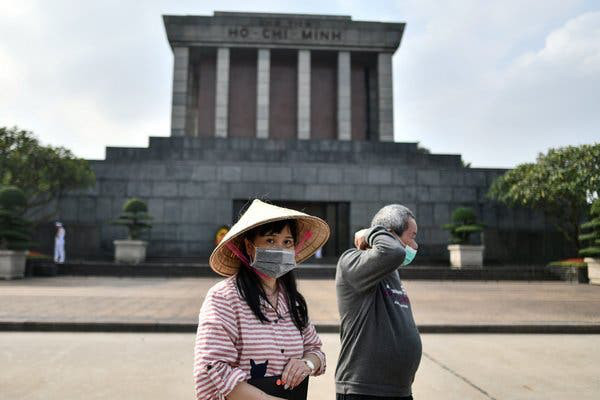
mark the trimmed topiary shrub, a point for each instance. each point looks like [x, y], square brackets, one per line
[135, 217]
[14, 229]
[591, 237]
[464, 224]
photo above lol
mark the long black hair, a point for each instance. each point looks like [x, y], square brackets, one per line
[251, 290]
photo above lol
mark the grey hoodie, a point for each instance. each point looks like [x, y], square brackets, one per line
[381, 346]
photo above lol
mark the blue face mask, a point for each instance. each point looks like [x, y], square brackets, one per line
[410, 255]
[409, 252]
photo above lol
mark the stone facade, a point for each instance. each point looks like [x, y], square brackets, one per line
[321, 47]
[298, 110]
[191, 185]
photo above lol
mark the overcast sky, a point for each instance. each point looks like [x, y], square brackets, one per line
[495, 81]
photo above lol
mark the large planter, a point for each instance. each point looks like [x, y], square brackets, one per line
[12, 264]
[593, 268]
[464, 255]
[130, 251]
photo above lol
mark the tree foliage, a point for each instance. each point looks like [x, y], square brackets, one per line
[43, 173]
[561, 183]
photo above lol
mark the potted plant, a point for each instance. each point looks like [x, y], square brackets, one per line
[14, 233]
[592, 238]
[462, 253]
[136, 218]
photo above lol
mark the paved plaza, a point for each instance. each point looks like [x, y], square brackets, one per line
[177, 301]
[127, 366]
[75, 365]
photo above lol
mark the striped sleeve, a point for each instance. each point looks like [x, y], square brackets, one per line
[214, 351]
[312, 345]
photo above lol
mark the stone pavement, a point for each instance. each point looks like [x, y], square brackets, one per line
[177, 301]
[131, 366]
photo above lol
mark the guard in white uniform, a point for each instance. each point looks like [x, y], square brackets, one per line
[59, 244]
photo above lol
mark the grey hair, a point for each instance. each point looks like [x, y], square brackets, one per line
[394, 217]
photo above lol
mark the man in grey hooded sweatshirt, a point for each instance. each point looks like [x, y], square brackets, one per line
[381, 346]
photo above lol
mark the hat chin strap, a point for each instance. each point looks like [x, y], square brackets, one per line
[302, 241]
[246, 262]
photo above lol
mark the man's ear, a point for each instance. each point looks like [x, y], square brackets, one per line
[394, 234]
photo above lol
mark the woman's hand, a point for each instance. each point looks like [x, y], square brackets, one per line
[294, 373]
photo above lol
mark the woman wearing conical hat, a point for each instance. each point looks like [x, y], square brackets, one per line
[253, 326]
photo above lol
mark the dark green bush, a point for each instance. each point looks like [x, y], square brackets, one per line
[14, 228]
[591, 237]
[135, 218]
[464, 224]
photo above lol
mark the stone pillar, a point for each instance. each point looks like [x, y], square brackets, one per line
[222, 92]
[344, 113]
[303, 94]
[373, 101]
[181, 65]
[191, 126]
[262, 93]
[386, 97]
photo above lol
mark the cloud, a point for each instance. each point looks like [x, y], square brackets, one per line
[473, 85]
[554, 93]
[86, 75]
[495, 81]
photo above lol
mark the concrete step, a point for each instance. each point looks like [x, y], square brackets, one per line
[305, 271]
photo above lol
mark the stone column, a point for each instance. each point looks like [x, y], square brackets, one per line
[222, 92]
[373, 101]
[386, 97]
[303, 94]
[344, 113]
[262, 93]
[181, 62]
[191, 126]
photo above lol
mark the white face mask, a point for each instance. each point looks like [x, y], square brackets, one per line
[274, 262]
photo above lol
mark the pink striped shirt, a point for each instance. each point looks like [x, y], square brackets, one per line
[229, 336]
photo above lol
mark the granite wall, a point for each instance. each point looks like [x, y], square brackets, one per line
[190, 185]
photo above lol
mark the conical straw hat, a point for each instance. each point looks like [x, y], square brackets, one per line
[313, 232]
